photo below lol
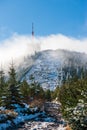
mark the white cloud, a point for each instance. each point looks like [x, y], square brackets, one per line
[63, 42]
[19, 46]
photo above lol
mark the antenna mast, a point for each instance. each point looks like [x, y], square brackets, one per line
[32, 30]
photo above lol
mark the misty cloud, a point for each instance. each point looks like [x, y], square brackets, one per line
[19, 46]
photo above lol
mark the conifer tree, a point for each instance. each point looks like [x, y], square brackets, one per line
[2, 79]
[48, 95]
[14, 95]
[2, 85]
[12, 75]
[25, 90]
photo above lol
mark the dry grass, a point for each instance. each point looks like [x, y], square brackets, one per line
[9, 112]
[68, 127]
[37, 103]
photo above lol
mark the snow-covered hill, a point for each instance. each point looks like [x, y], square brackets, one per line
[50, 68]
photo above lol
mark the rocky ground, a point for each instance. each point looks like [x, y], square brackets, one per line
[34, 125]
[42, 122]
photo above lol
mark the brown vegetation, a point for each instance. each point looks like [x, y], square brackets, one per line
[9, 112]
[68, 127]
[37, 103]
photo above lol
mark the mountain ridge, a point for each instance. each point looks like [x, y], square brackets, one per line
[48, 67]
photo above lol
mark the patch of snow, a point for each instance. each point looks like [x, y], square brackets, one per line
[2, 108]
[48, 67]
[4, 126]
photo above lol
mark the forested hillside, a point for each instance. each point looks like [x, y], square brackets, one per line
[22, 100]
[51, 68]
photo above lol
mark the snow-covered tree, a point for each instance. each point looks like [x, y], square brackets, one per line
[77, 116]
[73, 97]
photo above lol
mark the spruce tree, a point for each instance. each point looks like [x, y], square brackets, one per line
[2, 85]
[2, 79]
[25, 90]
[14, 95]
[12, 75]
[48, 95]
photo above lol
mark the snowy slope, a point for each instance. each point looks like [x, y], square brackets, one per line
[47, 67]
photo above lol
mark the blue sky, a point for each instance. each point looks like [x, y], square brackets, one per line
[68, 17]
[59, 24]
